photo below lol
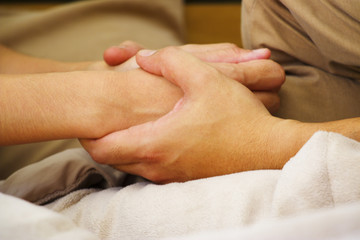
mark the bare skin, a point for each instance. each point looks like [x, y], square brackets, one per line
[218, 127]
[42, 99]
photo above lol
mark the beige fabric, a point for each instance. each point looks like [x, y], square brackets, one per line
[60, 174]
[15, 157]
[318, 44]
[82, 31]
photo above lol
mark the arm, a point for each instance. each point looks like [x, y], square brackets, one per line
[43, 99]
[218, 127]
[293, 134]
[12, 62]
[38, 107]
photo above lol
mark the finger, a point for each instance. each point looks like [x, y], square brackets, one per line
[121, 147]
[131, 168]
[257, 75]
[271, 100]
[233, 55]
[225, 52]
[178, 67]
[207, 47]
[148, 171]
[112, 150]
[118, 54]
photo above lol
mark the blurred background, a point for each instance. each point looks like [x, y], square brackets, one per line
[206, 21]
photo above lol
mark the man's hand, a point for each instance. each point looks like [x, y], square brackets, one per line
[217, 127]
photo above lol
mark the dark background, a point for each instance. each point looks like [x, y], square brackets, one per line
[59, 1]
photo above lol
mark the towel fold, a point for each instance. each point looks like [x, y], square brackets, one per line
[324, 174]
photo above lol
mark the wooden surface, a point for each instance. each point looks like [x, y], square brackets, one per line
[205, 22]
[212, 23]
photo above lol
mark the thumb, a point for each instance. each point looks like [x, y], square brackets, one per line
[179, 67]
[121, 147]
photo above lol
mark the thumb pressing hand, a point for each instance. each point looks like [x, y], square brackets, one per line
[205, 133]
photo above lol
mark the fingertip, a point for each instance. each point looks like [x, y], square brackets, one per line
[146, 52]
[262, 53]
[144, 60]
[256, 54]
[114, 56]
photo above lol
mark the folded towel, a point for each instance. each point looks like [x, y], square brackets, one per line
[324, 174]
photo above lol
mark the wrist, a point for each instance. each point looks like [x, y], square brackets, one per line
[286, 139]
[289, 136]
[73, 66]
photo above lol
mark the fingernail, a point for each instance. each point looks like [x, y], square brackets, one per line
[260, 50]
[146, 53]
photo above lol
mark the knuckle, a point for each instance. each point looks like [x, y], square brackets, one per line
[236, 72]
[207, 74]
[168, 51]
[234, 54]
[233, 71]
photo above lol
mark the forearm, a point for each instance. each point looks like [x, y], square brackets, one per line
[12, 62]
[294, 134]
[38, 107]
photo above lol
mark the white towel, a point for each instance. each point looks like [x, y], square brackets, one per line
[326, 224]
[324, 174]
[21, 220]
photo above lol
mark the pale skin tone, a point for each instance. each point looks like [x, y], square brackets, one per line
[42, 99]
[218, 127]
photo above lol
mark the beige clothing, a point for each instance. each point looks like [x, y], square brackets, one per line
[82, 31]
[317, 42]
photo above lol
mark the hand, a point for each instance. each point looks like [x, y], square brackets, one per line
[217, 127]
[226, 58]
[123, 99]
[216, 53]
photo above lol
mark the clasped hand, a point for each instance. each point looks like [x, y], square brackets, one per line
[217, 127]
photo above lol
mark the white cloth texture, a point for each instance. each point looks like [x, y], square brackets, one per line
[323, 175]
[326, 224]
[22, 220]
